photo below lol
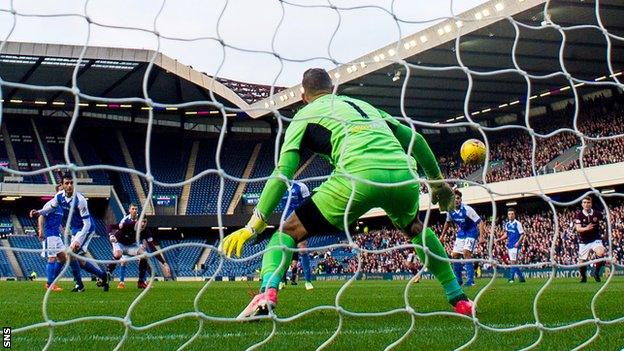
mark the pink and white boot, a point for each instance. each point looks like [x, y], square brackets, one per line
[260, 305]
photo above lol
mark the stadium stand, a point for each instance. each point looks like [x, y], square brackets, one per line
[86, 149]
[53, 138]
[29, 224]
[109, 152]
[5, 267]
[182, 260]
[27, 151]
[597, 117]
[204, 191]
[319, 167]
[170, 154]
[4, 156]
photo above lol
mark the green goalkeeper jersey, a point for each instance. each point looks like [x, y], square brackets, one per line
[351, 133]
[354, 136]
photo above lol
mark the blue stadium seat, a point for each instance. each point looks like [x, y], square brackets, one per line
[5, 267]
[182, 260]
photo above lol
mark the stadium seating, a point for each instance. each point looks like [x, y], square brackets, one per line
[29, 224]
[27, 152]
[84, 144]
[5, 216]
[236, 269]
[109, 152]
[5, 267]
[265, 164]
[202, 190]
[4, 156]
[510, 149]
[319, 167]
[235, 155]
[169, 159]
[182, 260]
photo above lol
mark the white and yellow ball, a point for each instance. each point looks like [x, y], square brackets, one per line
[473, 151]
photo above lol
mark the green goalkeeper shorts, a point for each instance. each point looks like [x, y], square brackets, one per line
[332, 199]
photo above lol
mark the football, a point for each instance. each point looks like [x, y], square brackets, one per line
[473, 151]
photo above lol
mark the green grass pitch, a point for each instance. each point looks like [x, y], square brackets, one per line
[503, 305]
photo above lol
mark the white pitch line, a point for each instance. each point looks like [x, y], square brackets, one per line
[150, 336]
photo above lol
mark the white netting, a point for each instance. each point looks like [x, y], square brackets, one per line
[487, 12]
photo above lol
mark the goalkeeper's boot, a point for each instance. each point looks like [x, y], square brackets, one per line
[462, 305]
[260, 304]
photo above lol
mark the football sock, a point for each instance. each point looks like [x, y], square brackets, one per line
[440, 269]
[457, 269]
[122, 273]
[598, 267]
[75, 268]
[583, 271]
[91, 268]
[272, 266]
[305, 266]
[519, 273]
[58, 267]
[50, 272]
[142, 269]
[469, 272]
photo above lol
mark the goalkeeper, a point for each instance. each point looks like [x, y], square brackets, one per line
[363, 144]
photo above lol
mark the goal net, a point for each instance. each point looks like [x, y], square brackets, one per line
[539, 82]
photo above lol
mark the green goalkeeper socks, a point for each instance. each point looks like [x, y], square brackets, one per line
[440, 269]
[272, 267]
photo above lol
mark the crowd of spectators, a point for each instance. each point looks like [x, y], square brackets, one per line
[540, 236]
[597, 118]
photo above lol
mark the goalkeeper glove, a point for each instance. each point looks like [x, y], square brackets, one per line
[236, 240]
[442, 194]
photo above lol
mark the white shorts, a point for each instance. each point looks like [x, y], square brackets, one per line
[83, 241]
[127, 250]
[585, 249]
[52, 246]
[513, 253]
[466, 244]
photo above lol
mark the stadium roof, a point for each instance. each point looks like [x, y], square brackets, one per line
[435, 91]
[110, 73]
[486, 45]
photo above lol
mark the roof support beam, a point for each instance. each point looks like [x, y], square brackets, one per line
[69, 81]
[24, 78]
[120, 81]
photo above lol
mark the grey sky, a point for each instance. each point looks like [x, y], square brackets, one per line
[304, 33]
